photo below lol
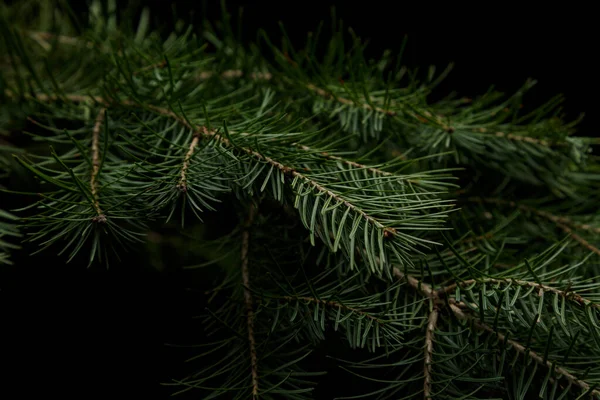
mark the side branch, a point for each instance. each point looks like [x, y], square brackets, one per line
[96, 165]
[248, 300]
[427, 291]
[429, 334]
[523, 350]
[386, 229]
[186, 162]
[437, 297]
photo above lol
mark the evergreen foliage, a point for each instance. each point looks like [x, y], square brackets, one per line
[450, 249]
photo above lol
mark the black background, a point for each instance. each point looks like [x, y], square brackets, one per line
[76, 333]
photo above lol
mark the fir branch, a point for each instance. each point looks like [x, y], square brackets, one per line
[76, 98]
[248, 299]
[348, 205]
[204, 75]
[42, 39]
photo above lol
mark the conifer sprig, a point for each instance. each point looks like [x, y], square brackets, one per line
[340, 178]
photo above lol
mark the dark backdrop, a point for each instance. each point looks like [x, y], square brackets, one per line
[67, 330]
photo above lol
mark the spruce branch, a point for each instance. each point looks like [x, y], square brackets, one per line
[350, 248]
[424, 116]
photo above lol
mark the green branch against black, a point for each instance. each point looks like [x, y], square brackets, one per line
[367, 207]
[403, 230]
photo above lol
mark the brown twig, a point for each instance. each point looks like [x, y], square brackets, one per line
[427, 291]
[579, 239]
[96, 164]
[186, 161]
[472, 239]
[424, 288]
[327, 95]
[42, 39]
[428, 350]
[518, 138]
[248, 300]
